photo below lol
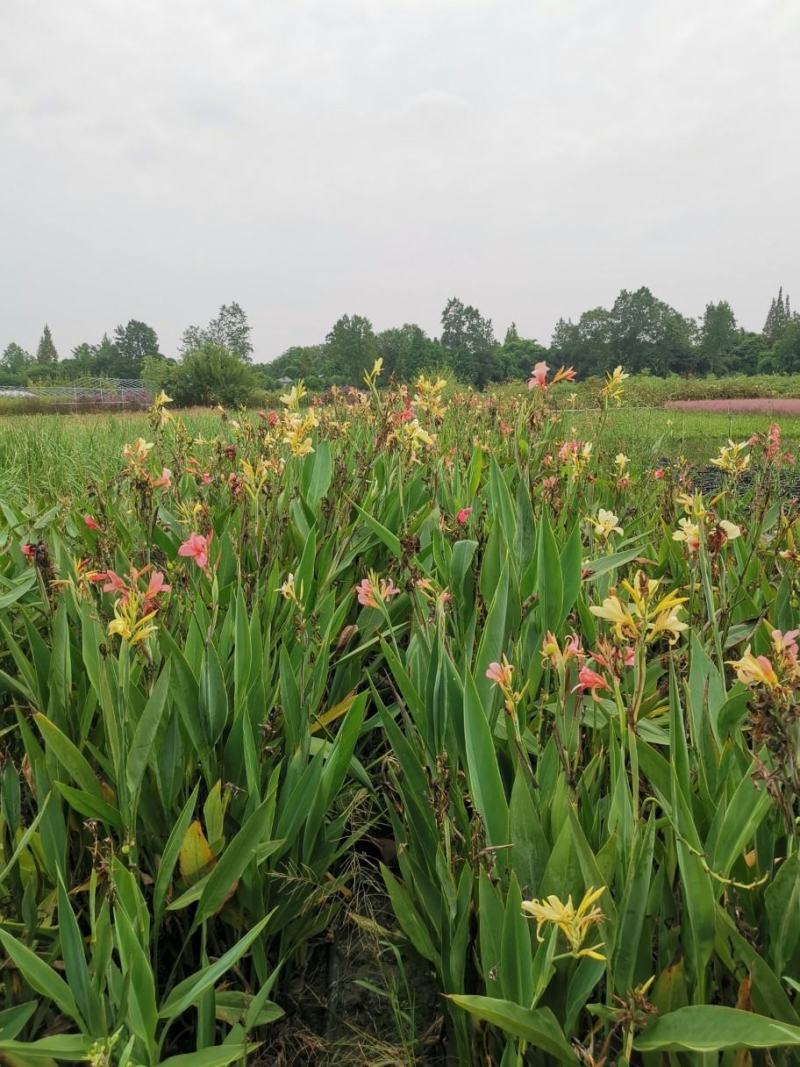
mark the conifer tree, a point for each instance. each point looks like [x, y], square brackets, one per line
[778, 318]
[46, 352]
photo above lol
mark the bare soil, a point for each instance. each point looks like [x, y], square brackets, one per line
[757, 405]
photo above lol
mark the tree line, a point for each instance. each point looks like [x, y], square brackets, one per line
[215, 362]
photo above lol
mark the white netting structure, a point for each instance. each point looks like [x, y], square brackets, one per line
[118, 393]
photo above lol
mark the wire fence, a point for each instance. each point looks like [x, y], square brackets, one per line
[82, 394]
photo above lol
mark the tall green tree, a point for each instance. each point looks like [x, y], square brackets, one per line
[648, 334]
[229, 329]
[468, 343]
[719, 336]
[106, 361]
[786, 350]
[15, 360]
[134, 343]
[352, 348]
[586, 344]
[518, 355]
[407, 351]
[778, 318]
[46, 352]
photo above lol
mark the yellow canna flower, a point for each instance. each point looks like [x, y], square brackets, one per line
[730, 529]
[371, 376]
[289, 591]
[605, 524]
[692, 504]
[613, 611]
[574, 923]
[732, 457]
[138, 451]
[755, 670]
[291, 400]
[689, 532]
[666, 622]
[643, 615]
[612, 390]
[125, 623]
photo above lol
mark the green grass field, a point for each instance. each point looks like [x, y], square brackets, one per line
[45, 457]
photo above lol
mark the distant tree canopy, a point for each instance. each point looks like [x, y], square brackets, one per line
[639, 331]
[468, 343]
[15, 360]
[229, 330]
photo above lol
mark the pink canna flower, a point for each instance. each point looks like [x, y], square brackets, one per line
[591, 680]
[91, 524]
[463, 515]
[113, 582]
[155, 587]
[785, 644]
[538, 378]
[573, 647]
[365, 595]
[206, 478]
[157, 584]
[370, 591]
[500, 673]
[658, 473]
[28, 550]
[196, 547]
[164, 480]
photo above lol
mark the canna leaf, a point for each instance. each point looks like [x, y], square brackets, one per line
[538, 1026]
[713, 1028]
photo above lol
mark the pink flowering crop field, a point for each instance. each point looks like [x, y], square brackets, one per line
[409, 727]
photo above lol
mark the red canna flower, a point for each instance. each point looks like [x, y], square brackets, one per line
[91, 523]
[463, 515]
[591, 680]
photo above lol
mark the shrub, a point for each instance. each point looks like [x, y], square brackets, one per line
[211, 375]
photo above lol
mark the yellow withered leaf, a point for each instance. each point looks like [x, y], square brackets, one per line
[196, 856]
[332, 714]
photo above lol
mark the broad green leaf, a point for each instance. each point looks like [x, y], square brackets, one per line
[208, 1057]
[712, 1028]
[538, 1026]
[169, 856]
[224, 878]
[486, 785]
[144, 736]
[69, 756]
[66, 1048]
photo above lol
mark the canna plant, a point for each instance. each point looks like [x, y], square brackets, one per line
[562, 684]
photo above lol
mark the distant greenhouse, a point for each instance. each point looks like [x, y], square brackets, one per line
[82, 394]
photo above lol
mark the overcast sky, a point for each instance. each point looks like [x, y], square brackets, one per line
[307, 159]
